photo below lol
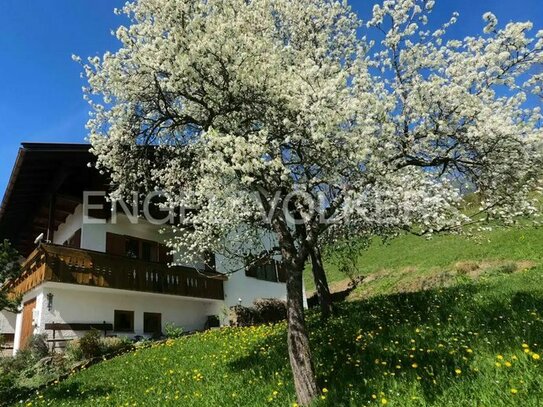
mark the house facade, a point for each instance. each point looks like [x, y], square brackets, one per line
[90, 269]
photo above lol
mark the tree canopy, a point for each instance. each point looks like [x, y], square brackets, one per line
[282, 108]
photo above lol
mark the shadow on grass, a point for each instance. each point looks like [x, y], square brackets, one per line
[425, 339]
[76, 391]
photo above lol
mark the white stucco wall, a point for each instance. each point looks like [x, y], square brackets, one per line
[80, 304]
[69, 227]
[239, 286]
[7, 322]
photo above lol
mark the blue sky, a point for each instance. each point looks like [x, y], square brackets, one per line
[40, 86]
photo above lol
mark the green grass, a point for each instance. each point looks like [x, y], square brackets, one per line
[425, 256]
[475, 342]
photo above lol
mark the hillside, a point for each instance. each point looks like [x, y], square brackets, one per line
[410, 259]
[475, 340]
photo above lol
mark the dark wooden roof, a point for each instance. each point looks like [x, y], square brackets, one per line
[43, 169]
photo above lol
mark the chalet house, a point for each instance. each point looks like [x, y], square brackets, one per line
[92, 272]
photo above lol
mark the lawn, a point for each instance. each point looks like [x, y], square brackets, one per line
[476, 343]
[411, 256]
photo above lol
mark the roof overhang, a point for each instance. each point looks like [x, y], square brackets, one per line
[41, 170]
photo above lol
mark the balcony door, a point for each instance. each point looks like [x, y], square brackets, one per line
[27, 328]
[136, 248]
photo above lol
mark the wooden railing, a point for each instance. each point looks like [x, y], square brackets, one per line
[77, 266]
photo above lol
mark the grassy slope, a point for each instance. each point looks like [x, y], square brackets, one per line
[423, 256]
[455, 346]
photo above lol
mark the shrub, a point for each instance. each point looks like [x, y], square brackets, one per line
[112, 345]
[263, 311]
[173, 331]
[271, 310]
[90, 344]
[38, 347]
[73, 351]
[244, 316]
[8, 387]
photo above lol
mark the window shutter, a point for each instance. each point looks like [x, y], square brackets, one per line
[76, 239]
[163, 255]
[281, 271]
[115, 244]
[250, 270]
[209, 259]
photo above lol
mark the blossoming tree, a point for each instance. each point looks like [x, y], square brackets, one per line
[273, 116]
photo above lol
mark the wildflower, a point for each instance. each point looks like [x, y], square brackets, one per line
[508, 364]
[458, 371]
[535, 356]
[325, 390]
[500, 357]
[514, 391]
[525, 346]
[414, 365]
[384, 401]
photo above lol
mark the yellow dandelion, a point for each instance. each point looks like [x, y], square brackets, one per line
[535, 356]
[514, 391]
[508, 364]
[414, 365]
[457, 371]
[384, 401]
[525, 346]
[500, 357]
[325, 390]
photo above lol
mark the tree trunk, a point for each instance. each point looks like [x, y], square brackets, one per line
[321, 284]
[298, 340]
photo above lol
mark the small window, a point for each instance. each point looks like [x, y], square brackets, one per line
[152, 323]
[264, 271]
[124, 321]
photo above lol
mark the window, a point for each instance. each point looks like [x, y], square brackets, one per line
[152, 323]
[136, 248]
[124, 321]
[132, 248]
[263, 270]
[149, 251]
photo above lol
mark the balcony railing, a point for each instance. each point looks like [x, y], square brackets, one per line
[89, 268]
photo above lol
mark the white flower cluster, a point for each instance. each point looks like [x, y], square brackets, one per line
[219, 101]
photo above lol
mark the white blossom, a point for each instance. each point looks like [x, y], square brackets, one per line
[244, 103]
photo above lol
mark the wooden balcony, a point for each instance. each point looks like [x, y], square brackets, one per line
[83, 267]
